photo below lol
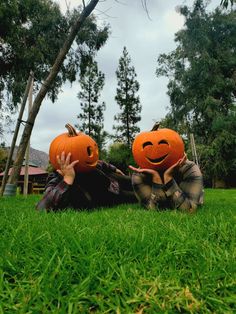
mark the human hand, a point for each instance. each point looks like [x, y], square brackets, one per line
[118, 171]
[156, 178]
[66, 167]
[168, 174]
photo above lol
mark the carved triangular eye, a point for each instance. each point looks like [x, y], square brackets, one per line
[146, 144]
[163, 142]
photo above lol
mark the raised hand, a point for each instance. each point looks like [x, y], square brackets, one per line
[66, 167]
[168, 174]
[156, 178]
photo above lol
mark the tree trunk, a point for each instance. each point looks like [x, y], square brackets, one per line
[45, 87]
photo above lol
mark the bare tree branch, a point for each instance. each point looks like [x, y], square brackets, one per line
[144, 4]
[67, 5]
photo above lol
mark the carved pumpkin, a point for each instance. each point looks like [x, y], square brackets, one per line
[157, 149]
[81, 146]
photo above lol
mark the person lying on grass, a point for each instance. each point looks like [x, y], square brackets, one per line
[80, 180]
[105, 185]
[165, 178]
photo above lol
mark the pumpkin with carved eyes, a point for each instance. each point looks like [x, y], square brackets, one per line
[157, 149]
[81, 146]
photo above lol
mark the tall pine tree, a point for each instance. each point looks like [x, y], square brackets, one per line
[128, 101]
[91, 119]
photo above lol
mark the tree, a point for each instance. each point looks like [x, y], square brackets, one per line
[78, 23]
[202, 85]
[3, 157]
[225, 3]
[127, 100]
[91, 119]
[120, 155]
[26, 32]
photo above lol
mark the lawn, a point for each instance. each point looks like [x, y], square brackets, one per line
[118, 260]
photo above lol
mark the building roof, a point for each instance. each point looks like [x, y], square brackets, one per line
[32, 171]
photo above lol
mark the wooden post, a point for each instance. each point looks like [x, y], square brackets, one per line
[13, 143]
[193, 148]
[27, 153]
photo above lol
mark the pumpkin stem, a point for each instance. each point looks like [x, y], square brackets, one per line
[71, 130]
[156, 126]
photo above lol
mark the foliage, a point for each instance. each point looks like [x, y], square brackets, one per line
[118, 260]
[202, 84]
[225, 3]
[3, 158]
[213, 156]
[127, 100]
[26, 32]
[49, 168]
[120, 155]
[91, 119]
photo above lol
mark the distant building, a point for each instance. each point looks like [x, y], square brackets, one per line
[36, 180]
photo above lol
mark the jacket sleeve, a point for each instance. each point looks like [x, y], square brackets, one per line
[56, 194]
[149, 194]
[105, 166]
[188, 194]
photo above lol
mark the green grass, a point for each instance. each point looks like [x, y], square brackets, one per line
[118, 260]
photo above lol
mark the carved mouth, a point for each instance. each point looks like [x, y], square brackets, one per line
[157, 160]
[91, 164]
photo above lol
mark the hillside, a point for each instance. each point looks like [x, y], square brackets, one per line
[36, 157]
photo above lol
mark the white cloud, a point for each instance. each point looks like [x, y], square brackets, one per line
[173, 21]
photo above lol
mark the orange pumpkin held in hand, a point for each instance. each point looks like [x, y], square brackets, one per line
[157, 149]
[81, 146]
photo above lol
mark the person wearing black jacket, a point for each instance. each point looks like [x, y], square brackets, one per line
[105, 185]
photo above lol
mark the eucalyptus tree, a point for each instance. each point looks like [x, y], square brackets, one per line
[202, 85]
[32, 33]
[76, 26]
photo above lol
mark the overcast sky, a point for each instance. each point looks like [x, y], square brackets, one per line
[145, 38]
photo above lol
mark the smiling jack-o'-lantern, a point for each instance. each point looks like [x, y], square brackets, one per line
[157, 149]
[81, 146]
